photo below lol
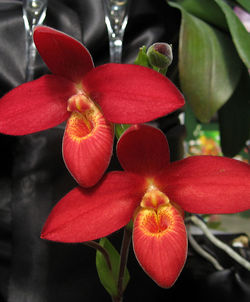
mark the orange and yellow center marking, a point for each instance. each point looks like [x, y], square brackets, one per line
[157, 222]
[156, 214]
[79, 126]
[86, 117]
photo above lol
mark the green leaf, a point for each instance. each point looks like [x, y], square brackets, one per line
[234, 119]
[245, 214]
[109, 278]
[120, 128]
[240, 36]
[245, 4]
[206, 10]
[209, 66]
[190, 122]
[142, 58]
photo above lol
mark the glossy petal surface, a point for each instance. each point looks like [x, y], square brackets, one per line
[131, 93]
[64, 55]
[143, 149]
[208, 184]
[89, 214]
[160, 243]
[35, 106]
[87, 147]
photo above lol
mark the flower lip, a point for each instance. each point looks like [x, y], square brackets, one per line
[160, 243]
[87, 144]
[156, 222]
[81, 125]
[86, 117]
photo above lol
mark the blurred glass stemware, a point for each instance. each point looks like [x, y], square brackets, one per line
[116, 19]
[34, 13]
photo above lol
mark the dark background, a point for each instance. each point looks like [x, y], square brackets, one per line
[33, 176]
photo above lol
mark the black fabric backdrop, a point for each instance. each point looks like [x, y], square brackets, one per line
[33, 176]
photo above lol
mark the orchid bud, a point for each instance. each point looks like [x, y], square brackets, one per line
[160, 55]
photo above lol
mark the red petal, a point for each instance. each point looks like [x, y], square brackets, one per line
[208, 184]
[64, 55]
[35, 106]
[89, 214]
[160, 243]
[143, 149]
[132, 93]
[87, 147]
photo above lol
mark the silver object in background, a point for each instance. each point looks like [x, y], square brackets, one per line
[34, 13]
[116, 18]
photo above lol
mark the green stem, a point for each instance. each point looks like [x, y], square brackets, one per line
[127, 235]
[101, 249]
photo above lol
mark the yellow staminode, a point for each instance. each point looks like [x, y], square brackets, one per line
[153, 198]
[80, 103]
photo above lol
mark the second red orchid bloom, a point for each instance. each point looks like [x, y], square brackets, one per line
[90, 98]
[154, 193]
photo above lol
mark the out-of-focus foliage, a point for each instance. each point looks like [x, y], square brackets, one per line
[213, 63]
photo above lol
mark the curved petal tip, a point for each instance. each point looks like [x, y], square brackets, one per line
[64, 55]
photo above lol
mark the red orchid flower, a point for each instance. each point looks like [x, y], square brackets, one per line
[154, 193]
[90, 98]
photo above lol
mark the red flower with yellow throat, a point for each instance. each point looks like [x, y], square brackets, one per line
[90, 98]
[154, 193]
